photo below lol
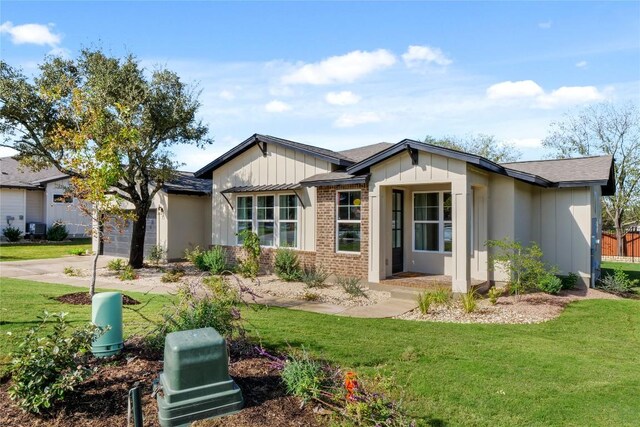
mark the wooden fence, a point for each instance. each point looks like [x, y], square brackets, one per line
[631, 244]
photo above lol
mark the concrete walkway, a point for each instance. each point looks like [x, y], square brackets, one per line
[49, 270]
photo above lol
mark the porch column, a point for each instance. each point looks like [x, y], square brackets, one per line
[376, 249]
[460, 270]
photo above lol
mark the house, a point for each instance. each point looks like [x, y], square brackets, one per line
[179, 219]
[28, 196]
[384, 209]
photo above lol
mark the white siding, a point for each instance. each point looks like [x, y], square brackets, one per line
[280, 166]
[188, 224]
[77, 223]
[12, 204]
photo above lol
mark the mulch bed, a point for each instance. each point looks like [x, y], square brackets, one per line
[83, 298]
[101, 401]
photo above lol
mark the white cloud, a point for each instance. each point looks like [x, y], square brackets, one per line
[545, 25]
[227, 95]
[416, 55]
[342, 98]
[277, 107]
[341, 69]
[519, 89]
[31, 34]
[60, 51]
[568, 95]
[526, 142]
[582, 64]
[348, 120]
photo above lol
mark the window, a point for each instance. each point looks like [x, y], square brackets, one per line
[62, 198]
[244, 215]
[266, 222]
[432, 222]
[288, 221]
[348, 221]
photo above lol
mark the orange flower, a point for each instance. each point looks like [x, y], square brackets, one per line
[350, 384]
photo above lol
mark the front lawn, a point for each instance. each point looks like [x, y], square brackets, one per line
[631, 268]
[26, 251]
[581, 369]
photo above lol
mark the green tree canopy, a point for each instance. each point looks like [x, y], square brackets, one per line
[106, 109]
[486, 146]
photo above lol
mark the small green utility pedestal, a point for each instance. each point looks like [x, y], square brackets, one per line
[106, 310]
[195, 384]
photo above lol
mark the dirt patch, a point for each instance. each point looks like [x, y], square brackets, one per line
[83, 298]
[536, 307]
[101, 401]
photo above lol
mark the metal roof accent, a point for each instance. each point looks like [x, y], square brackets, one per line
[260, 188]
[334, 178]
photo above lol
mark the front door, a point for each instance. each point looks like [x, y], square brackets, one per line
[397, 227]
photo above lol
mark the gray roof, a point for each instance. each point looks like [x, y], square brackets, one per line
[581, 169]
[333, 178]
[187, 183]
[13, 175]
[358, 154]
[262, 141]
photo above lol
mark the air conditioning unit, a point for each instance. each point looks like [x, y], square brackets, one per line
[36, 229]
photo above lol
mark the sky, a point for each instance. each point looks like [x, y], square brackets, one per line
[345, 74]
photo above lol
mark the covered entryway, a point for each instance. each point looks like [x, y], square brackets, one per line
[118, 244]
[397, 231]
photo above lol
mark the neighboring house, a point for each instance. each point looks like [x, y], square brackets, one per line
[27, 196]
[179, 219]
[383, 209]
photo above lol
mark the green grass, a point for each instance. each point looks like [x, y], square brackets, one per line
[22, 301]
[632, 269]
[580, 369]
[26, 251]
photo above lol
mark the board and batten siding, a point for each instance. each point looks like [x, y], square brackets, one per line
[12, 205]
[280, 166]
[432, 173]
[35, 206]
[77, 223]
[188, 224]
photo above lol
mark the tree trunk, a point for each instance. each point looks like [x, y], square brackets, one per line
[136, 252]
[619, 235]
[94, 268]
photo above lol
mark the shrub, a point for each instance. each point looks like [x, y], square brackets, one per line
[441, 296]
[127, 273]
[310, 296]
[570, 281]
[116, 265]
[57, 232]
[287, 265]
[618, 282]
[215, 260]
[172, 276]
[424, 302]
[71, 271]
[302, 376]
[157, 254]
[524, 264]
[195, 257]
[469, 301]
[45, 367]
[352, 286]
[250, 265]
[13, 234]
[78, 252]
[494, 293]
[314, 277]
[550, 284]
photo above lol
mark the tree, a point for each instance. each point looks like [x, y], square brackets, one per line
[606, 129]
[482, 145]
[134, 117]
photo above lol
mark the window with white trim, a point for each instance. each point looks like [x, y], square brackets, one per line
[432, 222]
[244, 215]
[288, 221]
[348, 221]
[266, 224]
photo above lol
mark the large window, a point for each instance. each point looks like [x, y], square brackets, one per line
[273, 218]
[266, 220]
[244, 215]
[348, 221]
[288, 220]
[432, 226]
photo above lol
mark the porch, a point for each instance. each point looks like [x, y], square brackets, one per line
[425, 281]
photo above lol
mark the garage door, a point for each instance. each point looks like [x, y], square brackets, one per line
[118, 244]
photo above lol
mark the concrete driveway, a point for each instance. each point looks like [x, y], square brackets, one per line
[52, 271]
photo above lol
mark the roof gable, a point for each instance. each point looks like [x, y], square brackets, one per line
[263, 141]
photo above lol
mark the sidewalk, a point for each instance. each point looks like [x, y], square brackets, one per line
[49, 271]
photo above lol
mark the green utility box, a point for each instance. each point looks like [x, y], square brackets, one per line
[195, 383]
[106, 310]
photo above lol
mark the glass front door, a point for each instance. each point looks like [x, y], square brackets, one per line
[397, 227]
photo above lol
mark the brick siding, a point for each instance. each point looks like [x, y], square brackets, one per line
[343, 264]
